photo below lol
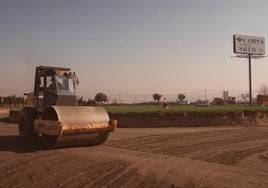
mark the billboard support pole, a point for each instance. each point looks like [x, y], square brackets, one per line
[250, 83]
[249, 47]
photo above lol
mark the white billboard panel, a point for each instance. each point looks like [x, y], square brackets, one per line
[245, 44]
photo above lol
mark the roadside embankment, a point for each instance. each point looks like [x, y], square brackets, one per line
[177, 119]
[190, 119]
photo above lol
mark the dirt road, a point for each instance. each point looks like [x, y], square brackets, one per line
[144, 157]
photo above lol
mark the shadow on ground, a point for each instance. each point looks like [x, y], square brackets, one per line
[16, 144]
[5, 120]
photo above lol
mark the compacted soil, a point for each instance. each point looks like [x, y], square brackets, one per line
[142, 157]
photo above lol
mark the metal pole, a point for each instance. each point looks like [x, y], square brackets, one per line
[250, 86]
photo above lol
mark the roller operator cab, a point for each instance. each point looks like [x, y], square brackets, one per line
[54, 113]
[55, 86]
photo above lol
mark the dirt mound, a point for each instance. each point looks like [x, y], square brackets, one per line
[189, 119]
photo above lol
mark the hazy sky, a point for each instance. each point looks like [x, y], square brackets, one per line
[132, 46]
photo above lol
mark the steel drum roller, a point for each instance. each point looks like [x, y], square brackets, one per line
[79, 126]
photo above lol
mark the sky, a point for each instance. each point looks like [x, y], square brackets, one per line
[132, 47]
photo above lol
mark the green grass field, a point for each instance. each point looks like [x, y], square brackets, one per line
[179, 108]
[175, 108]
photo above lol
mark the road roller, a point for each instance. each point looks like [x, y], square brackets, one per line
[52, 112]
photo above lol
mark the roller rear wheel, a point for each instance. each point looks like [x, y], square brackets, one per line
[26, 125]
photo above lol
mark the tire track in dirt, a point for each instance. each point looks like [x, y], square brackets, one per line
[233, 157]
[206, 150]
[108, 166]
[58, 169]
[184, 139]
[32, 169]
[224, 147]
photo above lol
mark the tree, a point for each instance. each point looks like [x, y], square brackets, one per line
[181, 96]
[12, 100]
[263, 90]
[157, 97]
[101, 97]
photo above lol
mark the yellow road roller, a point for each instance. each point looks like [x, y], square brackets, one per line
[52, 112]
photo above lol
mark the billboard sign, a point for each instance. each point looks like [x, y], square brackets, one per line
[245, 44]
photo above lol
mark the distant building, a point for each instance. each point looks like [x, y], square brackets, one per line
[262, 100]
[232, 100]
[184, 102]
[218, 101]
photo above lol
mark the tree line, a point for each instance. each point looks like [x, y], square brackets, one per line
[12, 100]
[99, 98]
[157, 97]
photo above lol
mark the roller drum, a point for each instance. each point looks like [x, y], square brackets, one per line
[79, 126]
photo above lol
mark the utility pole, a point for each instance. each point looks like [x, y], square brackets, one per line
[119, 98]
[250, 83]
[205, 94]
